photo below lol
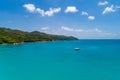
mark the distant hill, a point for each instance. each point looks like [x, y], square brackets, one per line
[17, 36]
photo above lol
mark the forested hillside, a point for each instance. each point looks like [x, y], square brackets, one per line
[17, 36]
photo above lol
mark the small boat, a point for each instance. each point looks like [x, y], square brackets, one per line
[77, 49]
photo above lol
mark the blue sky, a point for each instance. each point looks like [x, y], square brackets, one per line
[85, 19]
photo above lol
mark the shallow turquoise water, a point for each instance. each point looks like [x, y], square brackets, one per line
[97, 60]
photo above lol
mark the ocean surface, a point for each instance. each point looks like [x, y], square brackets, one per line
[96, 60]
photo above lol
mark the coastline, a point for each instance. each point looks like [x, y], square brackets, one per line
[25, 42]
[34, 42]
[18, 43]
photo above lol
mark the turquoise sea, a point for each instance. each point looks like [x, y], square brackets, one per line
[97, 60]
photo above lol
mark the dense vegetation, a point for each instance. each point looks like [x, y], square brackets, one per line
[16, 36]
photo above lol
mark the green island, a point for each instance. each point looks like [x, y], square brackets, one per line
[11, 36]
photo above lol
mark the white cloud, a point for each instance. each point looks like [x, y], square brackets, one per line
[40, 11]
[71, 9]
[91, 17]
[110, 34]
[80, 30]
[33, 9]
[109, 9]
[45, 28]
[80, 33]
[67, 28]
[51, 11]
[84, 13]
[29, 7]
[103, 3]
[93, 30]
[71, 29]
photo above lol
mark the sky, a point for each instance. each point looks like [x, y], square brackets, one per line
[84, 19]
